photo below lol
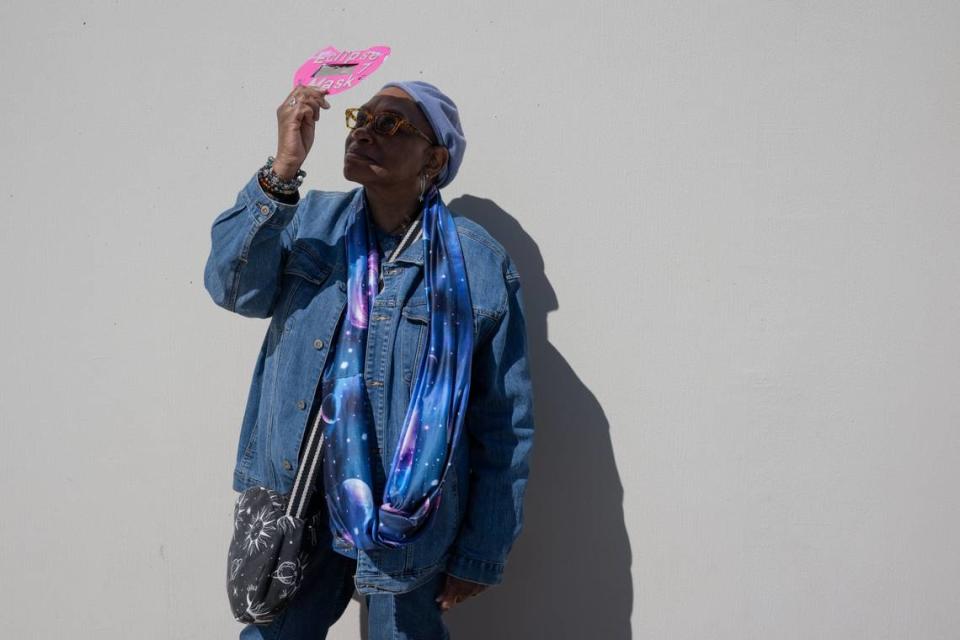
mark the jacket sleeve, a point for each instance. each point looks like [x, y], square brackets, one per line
[249, 245]
[499, 424]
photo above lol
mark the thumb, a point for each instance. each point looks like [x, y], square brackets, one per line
[444, 590]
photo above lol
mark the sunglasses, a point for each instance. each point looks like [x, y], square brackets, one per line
[385, 123]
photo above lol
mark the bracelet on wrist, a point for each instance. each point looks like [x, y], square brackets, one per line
[277, 184]
[284, 198]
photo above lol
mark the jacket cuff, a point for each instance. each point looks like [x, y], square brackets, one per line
[475, 570]
[265, 209]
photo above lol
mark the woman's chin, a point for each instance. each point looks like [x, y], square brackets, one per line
[361, 174]
[350, 173]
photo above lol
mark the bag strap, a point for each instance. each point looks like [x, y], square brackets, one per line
[408, 238]
[305, 483]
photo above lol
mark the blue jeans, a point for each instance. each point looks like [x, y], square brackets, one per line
[326, 591]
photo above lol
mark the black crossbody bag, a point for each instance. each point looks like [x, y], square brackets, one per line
[273, 541]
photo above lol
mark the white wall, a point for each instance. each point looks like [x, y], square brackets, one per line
[736, 224]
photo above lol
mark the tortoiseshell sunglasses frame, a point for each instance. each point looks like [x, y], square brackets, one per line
[353, 112]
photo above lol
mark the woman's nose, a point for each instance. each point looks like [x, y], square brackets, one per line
[360, 132]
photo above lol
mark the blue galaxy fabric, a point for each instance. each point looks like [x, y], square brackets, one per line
[434, 418]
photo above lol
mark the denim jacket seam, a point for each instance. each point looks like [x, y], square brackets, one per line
[475, 570]
[504, 305]
[498, 252]
[460, 554]
[491, 329]
[241, 263]
[256, 224]
[493, 315]
[249, 205]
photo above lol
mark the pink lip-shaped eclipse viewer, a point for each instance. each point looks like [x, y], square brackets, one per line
[336, 71]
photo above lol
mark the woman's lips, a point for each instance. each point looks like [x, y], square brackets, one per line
[355, 154]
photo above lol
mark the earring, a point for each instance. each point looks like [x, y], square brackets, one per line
[423, 185]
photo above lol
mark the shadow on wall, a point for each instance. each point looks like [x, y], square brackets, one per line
[568, 575]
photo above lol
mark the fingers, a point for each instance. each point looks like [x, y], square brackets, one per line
[311, 95]
[447, 602]
[306, 111]
[296, 116]
[305, 107]
[317, 100]
[456, 591]
[322, 94]
[302, 90]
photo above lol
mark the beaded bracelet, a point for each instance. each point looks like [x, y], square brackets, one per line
[277, 184]
[284, 198]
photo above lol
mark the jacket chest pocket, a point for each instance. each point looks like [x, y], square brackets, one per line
[413, 332]
[304, 274]
[304, 264]
[413, 338]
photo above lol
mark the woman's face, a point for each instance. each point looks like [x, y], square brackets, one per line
[372, 159]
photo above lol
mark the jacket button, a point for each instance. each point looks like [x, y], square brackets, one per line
[318, 343]
[287, 465]
[301, 405]
[264, 209]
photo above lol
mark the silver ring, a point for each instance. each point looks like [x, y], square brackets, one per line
[292, 101]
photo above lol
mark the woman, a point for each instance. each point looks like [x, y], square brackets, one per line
[390, 315]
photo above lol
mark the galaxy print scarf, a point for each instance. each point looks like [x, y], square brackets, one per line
[434, 417]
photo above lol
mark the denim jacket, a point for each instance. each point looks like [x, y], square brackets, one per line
[287, 262]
